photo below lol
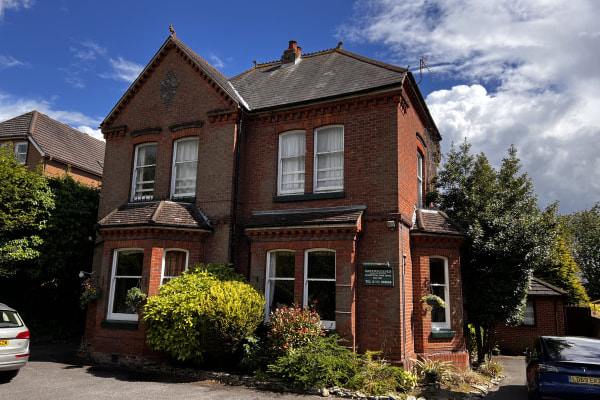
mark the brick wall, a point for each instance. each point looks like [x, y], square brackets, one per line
[549, 320]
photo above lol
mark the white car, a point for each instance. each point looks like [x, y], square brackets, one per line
[14, 343]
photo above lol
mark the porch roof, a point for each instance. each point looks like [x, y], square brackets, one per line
[335, 216]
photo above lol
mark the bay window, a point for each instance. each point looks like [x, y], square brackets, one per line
[329, 158]
[438, 278]
[126, 274]
[175, 262]
[185, 162]
[279, 291]
[292, 149]
[319, 284]
[144, 171]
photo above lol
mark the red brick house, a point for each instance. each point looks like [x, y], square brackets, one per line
[544, 315]
[58, 148]
[308, 173]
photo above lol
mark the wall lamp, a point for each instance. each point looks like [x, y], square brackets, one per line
[390, 224]
[82, 274]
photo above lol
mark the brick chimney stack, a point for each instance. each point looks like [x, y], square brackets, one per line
[292, 54]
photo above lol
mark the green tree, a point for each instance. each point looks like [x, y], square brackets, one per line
[25, 205]
[584, 230]
[503, 240]
[558, 266]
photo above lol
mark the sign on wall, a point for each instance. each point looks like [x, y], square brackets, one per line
[378, 274]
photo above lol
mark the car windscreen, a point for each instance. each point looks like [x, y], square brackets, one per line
[10, 319]
[573, 349]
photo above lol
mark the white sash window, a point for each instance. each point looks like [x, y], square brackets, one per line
[329, 158]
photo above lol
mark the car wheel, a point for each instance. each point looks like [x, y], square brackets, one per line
[7, 376]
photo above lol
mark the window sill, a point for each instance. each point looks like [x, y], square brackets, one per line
[310, 196]
[115, 324]
[443, 334]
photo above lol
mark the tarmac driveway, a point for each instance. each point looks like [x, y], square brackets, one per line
[513, 386]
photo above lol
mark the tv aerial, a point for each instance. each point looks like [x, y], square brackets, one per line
[423, 65]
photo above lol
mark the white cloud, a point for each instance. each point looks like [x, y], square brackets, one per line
[10, 62]
[13, 5]
[88, 50]
[529, 75]
[11, 107]
[123, 70]
[216, 61]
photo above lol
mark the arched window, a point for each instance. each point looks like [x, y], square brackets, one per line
[419, 179]
[438, 278]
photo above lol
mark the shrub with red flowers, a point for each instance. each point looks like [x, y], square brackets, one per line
[292, 327]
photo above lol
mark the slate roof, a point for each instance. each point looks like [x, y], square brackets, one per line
[337, 216]
[317, 76]
[538, 287]
[56, 140]
[166, 214]
[435, 222]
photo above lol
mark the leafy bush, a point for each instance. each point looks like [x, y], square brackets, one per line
[377, 377]
[320, 362]
[135, 297]
[292, 328]
[207, 311]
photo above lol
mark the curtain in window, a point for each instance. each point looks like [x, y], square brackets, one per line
[292, 150]
[175, 264]
[280, 291]
[330, 158]
[145, 166]
[419, 179]
[186, 158]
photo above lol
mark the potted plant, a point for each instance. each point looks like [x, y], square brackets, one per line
[135, 298]
[433, 300]
[90, 293]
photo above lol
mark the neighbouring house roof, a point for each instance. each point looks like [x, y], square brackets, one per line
[317, 76]
[166, 214]
[538, 287]
[335, 216]
[435, 222]
[56, 141]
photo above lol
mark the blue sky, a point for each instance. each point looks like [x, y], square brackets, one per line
[520, 72]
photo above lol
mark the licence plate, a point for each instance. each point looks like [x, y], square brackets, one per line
[3, 343]
[586, 380]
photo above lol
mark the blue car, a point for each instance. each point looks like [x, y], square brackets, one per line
[564, 367]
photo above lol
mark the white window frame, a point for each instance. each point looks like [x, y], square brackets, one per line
[419, 179]
[529, 313]
[327, 324]
[317, 154]
[177, 163]
[280, 160]
[20, 156]
[446, 285]
[164, 260]
[137, 168]
[269, 280]
[113, 280]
